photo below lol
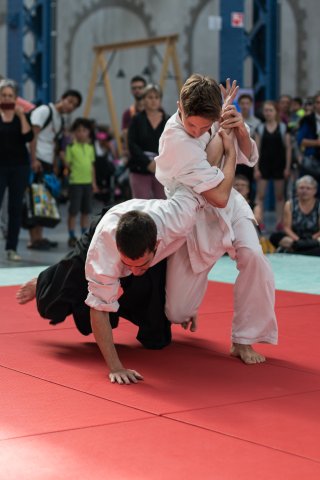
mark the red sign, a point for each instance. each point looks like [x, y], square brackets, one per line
[237, 19]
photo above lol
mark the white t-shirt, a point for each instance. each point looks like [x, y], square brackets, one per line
[174, 219]
[46, 139]
[183, 160]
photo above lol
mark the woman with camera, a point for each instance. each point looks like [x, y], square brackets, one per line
[15, 133]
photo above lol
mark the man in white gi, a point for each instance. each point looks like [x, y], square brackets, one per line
[190, 154]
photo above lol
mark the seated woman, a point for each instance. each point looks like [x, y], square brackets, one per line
[301, 220]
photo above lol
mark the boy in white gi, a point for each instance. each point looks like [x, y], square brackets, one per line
[189, 152]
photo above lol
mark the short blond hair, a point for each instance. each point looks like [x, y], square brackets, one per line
[201, 96]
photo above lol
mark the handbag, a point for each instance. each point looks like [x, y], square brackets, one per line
[311, 165]
[40, 207]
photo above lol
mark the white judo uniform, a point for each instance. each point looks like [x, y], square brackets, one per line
[174, 219]
[183, 160]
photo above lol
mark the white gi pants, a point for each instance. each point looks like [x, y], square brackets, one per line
[254, 292]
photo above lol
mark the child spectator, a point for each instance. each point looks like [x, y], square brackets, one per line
[79, 159]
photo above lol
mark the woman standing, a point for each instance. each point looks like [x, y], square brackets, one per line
[274, 146]
[143, 139]
[15, 132]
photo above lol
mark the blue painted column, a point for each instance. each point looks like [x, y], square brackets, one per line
[35, 19]
[15, 40]
[232, 40]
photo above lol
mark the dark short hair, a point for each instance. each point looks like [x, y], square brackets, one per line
[298, 100]
[138, 78]
[81, 122]
[245, 95]
[243, 178]
[73, 93]
[201, 96]
[136, 234]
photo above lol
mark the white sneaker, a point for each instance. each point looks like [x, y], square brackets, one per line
[13, 256]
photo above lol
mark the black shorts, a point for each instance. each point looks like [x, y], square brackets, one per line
[80, 196]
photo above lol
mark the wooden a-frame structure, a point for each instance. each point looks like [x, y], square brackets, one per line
[100, 64]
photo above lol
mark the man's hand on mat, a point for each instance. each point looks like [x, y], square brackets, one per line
[125, 376]
[191, 324]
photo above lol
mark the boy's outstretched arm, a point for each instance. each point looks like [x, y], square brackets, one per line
[102, 332]
[219, 196]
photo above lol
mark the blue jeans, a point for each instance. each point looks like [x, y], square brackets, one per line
[15, 179]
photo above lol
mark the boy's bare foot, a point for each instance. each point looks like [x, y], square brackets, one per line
[27, 291]
[246, 354]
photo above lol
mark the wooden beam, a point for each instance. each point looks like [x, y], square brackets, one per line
[92, 87]
[112, 110]
[176, 67]
[165, 64]
[143, 42]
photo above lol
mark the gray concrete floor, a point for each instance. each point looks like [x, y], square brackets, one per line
[31, 258]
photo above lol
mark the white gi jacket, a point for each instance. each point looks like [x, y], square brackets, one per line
[174, 219]
[182, 159]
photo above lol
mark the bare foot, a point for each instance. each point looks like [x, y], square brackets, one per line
[246, 354]
[27, 291]
[191, 324]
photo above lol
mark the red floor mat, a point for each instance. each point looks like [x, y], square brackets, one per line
[227, 420]
[154, 449]
[31, 406]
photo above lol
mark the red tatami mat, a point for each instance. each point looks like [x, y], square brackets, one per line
[157, 449]
[290, 423]
[62, 418]
[38, 407]
[177, 378]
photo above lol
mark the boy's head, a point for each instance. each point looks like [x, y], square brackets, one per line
[81, 129]
[136, 239]
[70, 100]
[199, 104]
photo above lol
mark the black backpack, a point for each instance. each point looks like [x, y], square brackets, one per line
[47, 121]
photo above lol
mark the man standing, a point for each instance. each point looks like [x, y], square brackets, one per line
[137, 85]
[47, 123]
[245, 102]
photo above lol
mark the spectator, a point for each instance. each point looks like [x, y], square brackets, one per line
[47, 122]
[143, 139]
[137, 84]
[242, 185]
[245, 102]
[309, 141]
[15, 132]
[21, 102]
[284, 104]
[301, 232]
[296, 113]
[79, 158]
[308, 106]
[274, 146]
[104, 164]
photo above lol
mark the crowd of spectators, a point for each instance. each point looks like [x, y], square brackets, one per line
[86, 161]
